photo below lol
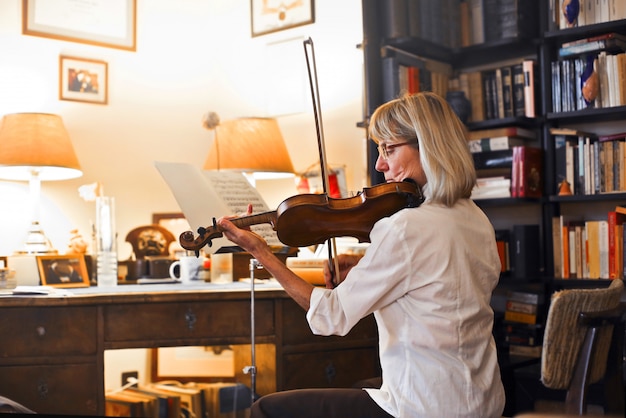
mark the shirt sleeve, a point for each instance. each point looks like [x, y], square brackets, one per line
[377, 280]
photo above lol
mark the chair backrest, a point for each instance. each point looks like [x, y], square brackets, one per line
[564, 334]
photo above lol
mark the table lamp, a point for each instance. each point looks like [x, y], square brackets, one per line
[36, 147]
[254, 146]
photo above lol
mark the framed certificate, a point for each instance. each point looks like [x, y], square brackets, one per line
[109, 23]
[275, 15]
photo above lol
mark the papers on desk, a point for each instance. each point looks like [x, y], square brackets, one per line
[36, 291]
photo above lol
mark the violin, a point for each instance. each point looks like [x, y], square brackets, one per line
[310, 219]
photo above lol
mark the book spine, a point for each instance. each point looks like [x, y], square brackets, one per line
[514, 306]
[396, 21]
[525, 297]
[529, 88]
[517, 73]
[524, 318]
[507, 92]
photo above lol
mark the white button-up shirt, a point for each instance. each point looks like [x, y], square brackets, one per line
[428, 276]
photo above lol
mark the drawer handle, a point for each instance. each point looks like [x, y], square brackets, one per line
[331, 372]
[190, 318]
[42, 388]
[41, 330]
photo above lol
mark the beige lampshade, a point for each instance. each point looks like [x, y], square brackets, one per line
[36, 142]
[250, 145]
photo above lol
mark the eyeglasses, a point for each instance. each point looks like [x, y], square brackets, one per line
[384, 149]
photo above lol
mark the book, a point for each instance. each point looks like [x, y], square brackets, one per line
[527, 174]
[507, 91]
[168, 404]
[493, 159]
[529, 88]
[517, 79]
[609, 45]
[615, 222]
[525, 351]
[490, 94]
[395, 18]
[502, 242]
[524, 318]
[513, 131]
[557, 250]
[190, 398]
[534, 297]
[494, 143]
[476, 97]
[514, 306]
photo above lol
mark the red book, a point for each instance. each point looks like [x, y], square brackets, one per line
[528, 172]
[615, 219]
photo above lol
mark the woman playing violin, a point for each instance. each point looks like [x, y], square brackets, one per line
[427, 276]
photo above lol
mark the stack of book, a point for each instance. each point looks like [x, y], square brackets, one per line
[504, 168]
[159, 400]
[523, 323]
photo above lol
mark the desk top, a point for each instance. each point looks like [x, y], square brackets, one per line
[134, 293]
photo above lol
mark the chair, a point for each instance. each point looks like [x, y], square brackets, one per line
[584, 329]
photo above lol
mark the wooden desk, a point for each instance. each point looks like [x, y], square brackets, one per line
[52, 348]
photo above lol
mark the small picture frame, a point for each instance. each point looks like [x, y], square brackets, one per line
[83, 80]
[269, 16]
[63, 270]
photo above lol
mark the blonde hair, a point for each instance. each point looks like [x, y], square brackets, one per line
[428, 120]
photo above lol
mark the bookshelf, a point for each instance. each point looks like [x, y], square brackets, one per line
[387, 48]
[395, 40]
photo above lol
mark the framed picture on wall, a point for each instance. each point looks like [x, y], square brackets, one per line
[63, 270]
[275, 15]
[100, 22]
[83, 80]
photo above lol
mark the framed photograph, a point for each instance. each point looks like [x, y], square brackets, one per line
[83, 80]
[97, 22]
[269, 16]
[63, 270]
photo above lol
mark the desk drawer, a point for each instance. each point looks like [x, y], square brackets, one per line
[51, 331]
[180, 322]
[67, 389]
[324, 369]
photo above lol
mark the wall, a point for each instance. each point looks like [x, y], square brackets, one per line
[193, 56]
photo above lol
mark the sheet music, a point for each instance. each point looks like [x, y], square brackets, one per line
[204, 195]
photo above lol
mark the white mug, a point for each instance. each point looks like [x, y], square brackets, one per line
[189, 268]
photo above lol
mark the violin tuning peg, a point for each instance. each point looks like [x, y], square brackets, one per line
[197, 253]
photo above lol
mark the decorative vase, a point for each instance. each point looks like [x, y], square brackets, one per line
[460, 104]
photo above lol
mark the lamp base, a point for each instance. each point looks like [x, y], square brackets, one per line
[37, 242]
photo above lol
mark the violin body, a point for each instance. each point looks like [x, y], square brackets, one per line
[310, 219]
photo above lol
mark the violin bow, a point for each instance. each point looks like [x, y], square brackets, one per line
[321, 145]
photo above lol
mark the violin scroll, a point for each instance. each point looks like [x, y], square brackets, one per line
[205, 237]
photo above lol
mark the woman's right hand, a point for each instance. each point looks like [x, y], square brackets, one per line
[345, 262]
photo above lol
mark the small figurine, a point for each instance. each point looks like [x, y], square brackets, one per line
[565, 189]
